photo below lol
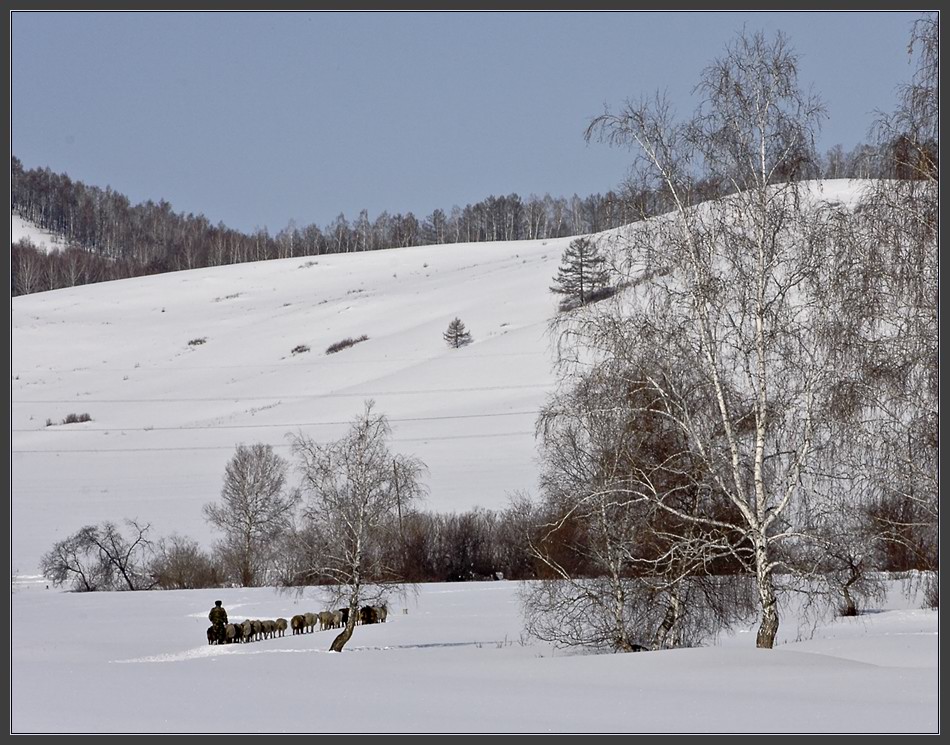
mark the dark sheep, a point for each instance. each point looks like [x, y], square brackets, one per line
[367, 614]
[297, 624]
[217, 634]
[345, 615]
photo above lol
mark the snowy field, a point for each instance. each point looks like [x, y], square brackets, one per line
[456, 662]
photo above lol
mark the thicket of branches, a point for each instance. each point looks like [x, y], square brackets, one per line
[103, 557]
[764, 390]
[355, 516]
[107, 237]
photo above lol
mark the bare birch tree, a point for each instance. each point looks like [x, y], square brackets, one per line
[734, 289]
[891, 294]
[356, 489]
[256, 509]
[622, 572]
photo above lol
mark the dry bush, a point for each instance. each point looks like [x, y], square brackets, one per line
[345, 343]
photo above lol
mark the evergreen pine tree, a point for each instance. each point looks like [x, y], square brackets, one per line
[456, 335]
[582, 273]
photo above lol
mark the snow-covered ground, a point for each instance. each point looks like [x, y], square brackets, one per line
[41, 239]
[456, 661]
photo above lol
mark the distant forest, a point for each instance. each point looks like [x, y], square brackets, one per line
[106, 237]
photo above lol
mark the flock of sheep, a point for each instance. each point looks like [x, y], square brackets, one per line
[255, 630]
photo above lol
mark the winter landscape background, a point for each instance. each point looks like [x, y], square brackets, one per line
[452, 658]
[661, 459]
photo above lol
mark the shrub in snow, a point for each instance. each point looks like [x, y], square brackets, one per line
[343, 344]
[75, 418]
[196, 342]
[179, 563]
[299, 349]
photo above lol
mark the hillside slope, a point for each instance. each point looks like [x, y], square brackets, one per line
[168, 411]
[167, 414]
[21, 229]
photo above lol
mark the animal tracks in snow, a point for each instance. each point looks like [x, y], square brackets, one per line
[213, 650]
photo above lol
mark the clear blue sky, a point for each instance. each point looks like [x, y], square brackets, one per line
[256, 119]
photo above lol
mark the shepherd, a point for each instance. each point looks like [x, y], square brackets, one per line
[219, 618]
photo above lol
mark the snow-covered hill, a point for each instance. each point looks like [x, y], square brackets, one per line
[177, 369]
[42, 239]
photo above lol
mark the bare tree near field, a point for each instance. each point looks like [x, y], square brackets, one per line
[829, 540]
[894, 296]
[127, 556]
[355, 487]
[512, 544]
[848, 557]
[181, 564]
[101, 557]
[256, 508]
[26, 267]
[838, 548]
[294, 556]
[478, 544]
[582, 275]
[627, 573]
[456, 335]
[880, 333]
[74, 560]
[912, 130]
[467, 543]
[735, 304]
